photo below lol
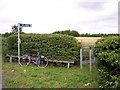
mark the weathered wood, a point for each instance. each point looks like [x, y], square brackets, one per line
[33, 58]
[61, 61]
[13, 56]
[68, 65]
[68, 62]
[10, 58]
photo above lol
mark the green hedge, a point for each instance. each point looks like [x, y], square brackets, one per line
[53, 46]
[107, 52]
[4, 45]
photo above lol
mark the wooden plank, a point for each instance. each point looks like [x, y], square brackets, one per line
[13, 56]
[61, 61]
[68, 65]
[11, 59]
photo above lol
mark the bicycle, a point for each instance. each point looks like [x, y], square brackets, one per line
[39, 60]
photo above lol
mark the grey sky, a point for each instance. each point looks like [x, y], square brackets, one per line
[91, 5]
[47, 16]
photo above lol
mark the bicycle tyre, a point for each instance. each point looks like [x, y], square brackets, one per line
[42, 63]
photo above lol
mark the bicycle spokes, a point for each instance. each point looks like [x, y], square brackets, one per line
[26, 60]
[42, 62]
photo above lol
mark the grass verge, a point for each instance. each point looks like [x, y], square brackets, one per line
[49, 77]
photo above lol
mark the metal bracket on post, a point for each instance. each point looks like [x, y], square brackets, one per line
[81, 58]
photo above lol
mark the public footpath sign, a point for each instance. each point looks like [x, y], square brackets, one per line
[24, 25]
[21, 25]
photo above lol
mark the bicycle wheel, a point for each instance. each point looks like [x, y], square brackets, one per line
[42, 63]
[26, 60]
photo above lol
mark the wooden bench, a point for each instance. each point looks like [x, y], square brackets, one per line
[12, 56]
[68, 62]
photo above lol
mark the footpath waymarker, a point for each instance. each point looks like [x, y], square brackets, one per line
[90, 56]
[90, 59]
[20, 25]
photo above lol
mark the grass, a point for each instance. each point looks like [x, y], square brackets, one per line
[49, 77]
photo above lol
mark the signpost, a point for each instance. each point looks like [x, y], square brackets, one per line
[20, 25]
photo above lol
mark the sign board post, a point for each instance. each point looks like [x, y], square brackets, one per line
[19, 44]
[20, 25]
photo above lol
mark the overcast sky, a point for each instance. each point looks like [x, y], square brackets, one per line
[47, 16]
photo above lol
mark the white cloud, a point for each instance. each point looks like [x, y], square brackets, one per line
[47, 16]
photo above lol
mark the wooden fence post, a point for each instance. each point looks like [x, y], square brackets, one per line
[10, 58]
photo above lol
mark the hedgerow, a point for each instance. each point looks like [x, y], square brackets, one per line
[68, 32]
[107, 52]
[53, 46]
[4, 45]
